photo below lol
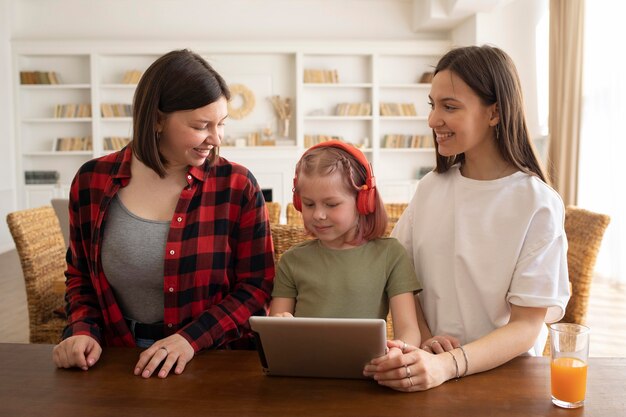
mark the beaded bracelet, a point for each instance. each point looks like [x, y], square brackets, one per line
[466, 361]
[456, 364]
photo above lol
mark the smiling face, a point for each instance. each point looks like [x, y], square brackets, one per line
[329, 209]
[461, 121]
[187, 137]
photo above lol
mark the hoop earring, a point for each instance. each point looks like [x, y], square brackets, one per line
[497, 133]
[157, 136]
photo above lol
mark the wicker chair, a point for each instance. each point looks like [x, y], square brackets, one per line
[395, 210]
[584, 230]
[273, 210]
[285, 236]
[41, 248]
[294, 217]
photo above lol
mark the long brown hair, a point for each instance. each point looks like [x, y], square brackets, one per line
[179, 80]
[492, 75]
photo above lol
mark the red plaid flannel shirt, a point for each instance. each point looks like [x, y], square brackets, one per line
[219, 264]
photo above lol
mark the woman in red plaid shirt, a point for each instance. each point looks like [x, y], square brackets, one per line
[170, 244]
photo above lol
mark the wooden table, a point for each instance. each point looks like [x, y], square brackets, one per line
[230, 383]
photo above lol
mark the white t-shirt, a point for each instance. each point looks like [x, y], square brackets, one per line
[479, 245]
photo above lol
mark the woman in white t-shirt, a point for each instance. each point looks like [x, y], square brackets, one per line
[484, 231]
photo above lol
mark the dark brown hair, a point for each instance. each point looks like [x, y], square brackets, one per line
[328, 160]
[491, 74]
[179, 80]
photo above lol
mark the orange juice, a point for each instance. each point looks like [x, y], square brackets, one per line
[569, 379]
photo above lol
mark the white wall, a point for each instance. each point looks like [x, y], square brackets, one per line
[7, 166]
[512, 27]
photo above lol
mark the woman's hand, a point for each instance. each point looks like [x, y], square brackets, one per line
[173, 350]
[413, 370]
[440, 344]
[77, 351]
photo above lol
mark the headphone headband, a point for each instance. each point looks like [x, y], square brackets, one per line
[366, 202]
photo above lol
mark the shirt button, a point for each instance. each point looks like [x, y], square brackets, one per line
[169, 325]
[180, 219]
[171, 289]
[172, 252]
[188, 177]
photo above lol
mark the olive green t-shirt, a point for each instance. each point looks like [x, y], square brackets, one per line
[346, 283]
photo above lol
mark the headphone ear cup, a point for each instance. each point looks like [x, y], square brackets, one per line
[297, 203]
[366, 201]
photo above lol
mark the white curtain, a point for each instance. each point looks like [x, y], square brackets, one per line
[602, 169]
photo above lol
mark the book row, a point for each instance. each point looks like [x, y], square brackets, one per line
[407, 141]
[72, 110]
[41, 177]
[397, 109]
[115, 143]
[353, 109]
[132, 77]
[320, 76]
[74, 144]
[39, 77]
[310, 140]
[116, 110]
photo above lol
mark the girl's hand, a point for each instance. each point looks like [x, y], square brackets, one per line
[285, 314]
[440, 344]
[414, 370]
[173, 350]
[77, 351]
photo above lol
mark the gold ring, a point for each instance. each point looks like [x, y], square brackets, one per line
[433, 342]
[404, 346]
[165, 349]
[408, 371]
[410, 380]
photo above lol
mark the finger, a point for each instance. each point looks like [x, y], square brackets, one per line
[445, 344]
[154, 362]
[59, 356]
[435, 346]
[144, 358]
[170, 360]
[77, 355]
[180, 366]
[93, 354]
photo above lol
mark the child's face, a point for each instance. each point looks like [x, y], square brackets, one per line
[329, 209]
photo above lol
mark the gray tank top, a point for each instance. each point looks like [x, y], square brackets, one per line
[133, 253]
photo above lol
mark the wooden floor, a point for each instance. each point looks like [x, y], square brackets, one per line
[606, 316]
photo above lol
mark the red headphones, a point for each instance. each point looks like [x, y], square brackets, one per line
[366, 197]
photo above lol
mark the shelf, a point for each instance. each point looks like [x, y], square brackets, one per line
[416, 85]
[58, 120]
[119, 86]
[54, 86]
[337, 85]
[337, 118]
[403, 150]
[404, 118]
[116, 119]
[59, 153]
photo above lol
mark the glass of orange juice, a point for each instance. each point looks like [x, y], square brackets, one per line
[569, 352]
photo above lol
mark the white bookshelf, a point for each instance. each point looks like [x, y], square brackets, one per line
[92, 72]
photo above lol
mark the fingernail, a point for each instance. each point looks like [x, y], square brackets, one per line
[162, 374]
[84, 368]
[90, 362]
[137, 370]
[146, 374]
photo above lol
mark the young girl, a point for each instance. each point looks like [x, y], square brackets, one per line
[484, 230]
[350, 270]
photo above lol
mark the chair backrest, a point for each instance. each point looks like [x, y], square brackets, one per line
[285, 236]
[584, 230]
[273, 210]
[41, 249]
[395, 210]
[61, 208]
[294, 217]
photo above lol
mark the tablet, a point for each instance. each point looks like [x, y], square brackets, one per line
[318, 347]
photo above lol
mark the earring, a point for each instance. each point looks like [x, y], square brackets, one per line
[497, 133]
[157, 136]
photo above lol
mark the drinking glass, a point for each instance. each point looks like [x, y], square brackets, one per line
[569, 354]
